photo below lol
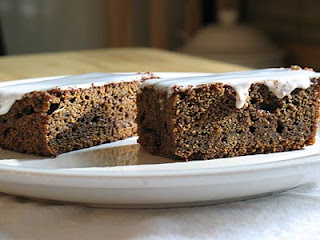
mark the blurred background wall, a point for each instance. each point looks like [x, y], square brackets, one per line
[256, 33]
[32, 26]
[293, 24]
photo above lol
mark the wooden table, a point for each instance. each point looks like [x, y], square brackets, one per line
[105, 60]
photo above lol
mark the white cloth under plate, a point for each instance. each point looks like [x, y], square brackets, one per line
[294, 214]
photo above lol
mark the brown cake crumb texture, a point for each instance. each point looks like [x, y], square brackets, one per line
[203, 123]
[58, 121]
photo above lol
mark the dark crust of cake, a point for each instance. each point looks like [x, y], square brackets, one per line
[203, 123]
[57, 121]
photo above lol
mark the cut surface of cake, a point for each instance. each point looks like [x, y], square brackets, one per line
[54, 116]
[229, 114]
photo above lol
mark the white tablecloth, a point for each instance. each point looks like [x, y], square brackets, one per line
[294, 214]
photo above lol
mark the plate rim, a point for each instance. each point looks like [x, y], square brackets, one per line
[306, 160]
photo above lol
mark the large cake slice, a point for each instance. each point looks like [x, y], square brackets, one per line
[231, 114]
[60, 115]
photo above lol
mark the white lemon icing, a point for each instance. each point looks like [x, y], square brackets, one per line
[10, 93]
[280, 81]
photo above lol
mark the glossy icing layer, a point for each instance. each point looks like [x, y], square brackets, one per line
[10, 93]
[280, 81]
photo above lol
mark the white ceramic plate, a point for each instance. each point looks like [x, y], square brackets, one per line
[120, 174]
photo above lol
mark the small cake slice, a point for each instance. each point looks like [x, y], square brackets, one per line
[60, 115]
[230, 114]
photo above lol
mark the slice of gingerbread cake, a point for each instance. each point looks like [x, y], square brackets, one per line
[230, 114]
[54, 116]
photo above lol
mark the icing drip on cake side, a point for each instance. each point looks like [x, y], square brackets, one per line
[280, 81]
[10, 93]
